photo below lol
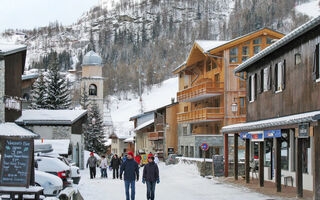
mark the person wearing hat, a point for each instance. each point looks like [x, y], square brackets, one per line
[151, 177]
[92, 163]
[131, 174]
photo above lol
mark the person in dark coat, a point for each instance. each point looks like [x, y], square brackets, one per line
[115, 164]
[151, 176]
[92, 164]
[131, 174]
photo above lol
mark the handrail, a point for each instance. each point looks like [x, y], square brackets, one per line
[202, 114]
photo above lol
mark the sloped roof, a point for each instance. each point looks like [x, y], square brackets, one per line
[50, 117]
[145, 124]
[7, 49]
[280, 43]
[207, 45]
[13, 130]
[269, 123]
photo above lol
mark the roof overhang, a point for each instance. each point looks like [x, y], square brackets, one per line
[280, 43]
[271, 123]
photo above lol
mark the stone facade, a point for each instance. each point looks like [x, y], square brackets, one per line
[2, 86]
[189, 144]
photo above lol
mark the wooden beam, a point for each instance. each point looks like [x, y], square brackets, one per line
[235, 156]
[247, 159]
[261, 164]
[316, 163]
[226, 155]
[299, 181]
[278, 163]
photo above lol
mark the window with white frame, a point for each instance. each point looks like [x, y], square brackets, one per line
[279, 72]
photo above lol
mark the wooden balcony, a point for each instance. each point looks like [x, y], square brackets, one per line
[201, 91]
[202, 115]
[152, 136]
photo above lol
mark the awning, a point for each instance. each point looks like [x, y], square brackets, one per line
[270, 123]
[147, 123]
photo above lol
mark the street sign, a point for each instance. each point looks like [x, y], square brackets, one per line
[204, 147]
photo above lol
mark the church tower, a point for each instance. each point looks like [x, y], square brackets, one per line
[92, 79]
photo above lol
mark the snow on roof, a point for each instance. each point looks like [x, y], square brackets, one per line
[13, 130]
[268, 123]
[145, 124]
[66, 117]
[60, 147]
[108, 142]
[7, 49]
[156, 97]
[207, 45]
[280, 43]
[29, 76]
[129, 140]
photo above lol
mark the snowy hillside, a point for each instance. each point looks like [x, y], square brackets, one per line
[311, 8]
[122, 110]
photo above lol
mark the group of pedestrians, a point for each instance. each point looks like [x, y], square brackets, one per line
[129, 170]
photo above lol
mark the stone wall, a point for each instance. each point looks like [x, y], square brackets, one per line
[2, 86]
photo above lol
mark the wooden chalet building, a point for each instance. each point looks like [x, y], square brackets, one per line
[283, 111]
[210, 96]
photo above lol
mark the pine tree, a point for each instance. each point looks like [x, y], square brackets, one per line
[58, 96]
[84, 99]
[39, 93]
[94, 132]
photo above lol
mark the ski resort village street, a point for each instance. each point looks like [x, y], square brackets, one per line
[179, 181]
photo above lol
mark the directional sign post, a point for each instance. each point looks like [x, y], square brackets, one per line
[204, 147]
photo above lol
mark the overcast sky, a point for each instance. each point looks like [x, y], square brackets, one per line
[28, 14]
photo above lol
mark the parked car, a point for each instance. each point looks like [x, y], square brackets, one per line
[56, 167]
[172, 159]
[75, 171]
[51, 184]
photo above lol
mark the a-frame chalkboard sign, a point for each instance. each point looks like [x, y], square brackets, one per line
[16, 161]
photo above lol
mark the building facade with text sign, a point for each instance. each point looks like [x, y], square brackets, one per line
[283, 87]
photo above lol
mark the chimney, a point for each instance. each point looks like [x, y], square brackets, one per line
[172, 100]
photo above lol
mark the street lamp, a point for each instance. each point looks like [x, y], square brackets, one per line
[234, 107]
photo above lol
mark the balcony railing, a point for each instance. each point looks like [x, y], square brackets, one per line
[155, 136]
[201, 91]
[204, 114]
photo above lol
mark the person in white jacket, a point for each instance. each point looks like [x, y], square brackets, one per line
[103, 166]
[156, 159]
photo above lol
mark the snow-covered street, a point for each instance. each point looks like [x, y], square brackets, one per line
[176, 182]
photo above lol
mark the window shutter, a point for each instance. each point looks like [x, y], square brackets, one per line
[258, 82]
[255, 86]
[249, 89]
[275, 78]
[262, 80]
[315, 70]
[283, 84]
[269, 77]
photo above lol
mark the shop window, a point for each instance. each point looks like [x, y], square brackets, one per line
[182, 150]
[234, 55]
[316, 65]
[268, 153]
[93, 90]
[280, 76]
[285, 141]
[186, 151]
[257, 41]
[256, 49]
[297, 58]
[306, 155]
[191, 151]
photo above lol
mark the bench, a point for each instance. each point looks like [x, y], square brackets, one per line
[285, 180]
[20, 191]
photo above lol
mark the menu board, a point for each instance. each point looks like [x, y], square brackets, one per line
[218, 165]
[16, 158]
